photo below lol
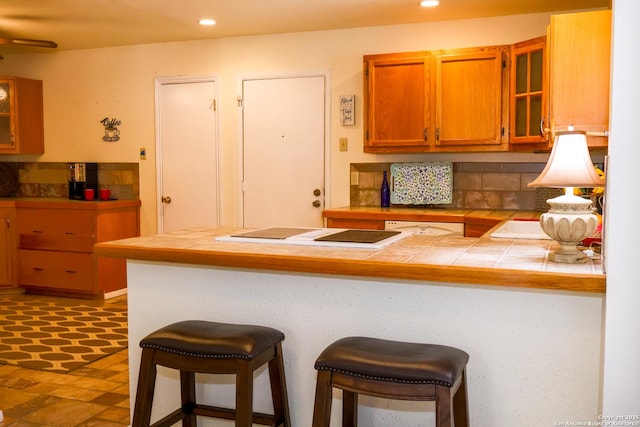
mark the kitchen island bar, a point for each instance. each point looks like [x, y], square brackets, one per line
[535, 350]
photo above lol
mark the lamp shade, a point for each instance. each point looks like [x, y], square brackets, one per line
[569, 164]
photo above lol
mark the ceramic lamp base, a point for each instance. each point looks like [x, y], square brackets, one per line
[568, 222]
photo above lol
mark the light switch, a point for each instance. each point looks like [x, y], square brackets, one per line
[344, 144]
[355, 178]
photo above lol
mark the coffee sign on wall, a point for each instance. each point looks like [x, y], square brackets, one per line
[111, 131]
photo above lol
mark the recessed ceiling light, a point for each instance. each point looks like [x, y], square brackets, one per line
[429, 3]
[208, 22]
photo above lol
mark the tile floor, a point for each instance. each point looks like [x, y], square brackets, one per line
[96, 395]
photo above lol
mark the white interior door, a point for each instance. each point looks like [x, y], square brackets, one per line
[187, 154]
[283, 152]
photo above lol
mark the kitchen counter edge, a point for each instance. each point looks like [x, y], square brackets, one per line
[200, 249]
[58, 203]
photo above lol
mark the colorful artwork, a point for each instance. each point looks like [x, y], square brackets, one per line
[422, 183]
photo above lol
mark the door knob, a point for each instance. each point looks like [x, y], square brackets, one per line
[317, 192]
[166, 199]
[316, 203]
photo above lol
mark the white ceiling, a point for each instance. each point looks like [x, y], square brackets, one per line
[81, 24]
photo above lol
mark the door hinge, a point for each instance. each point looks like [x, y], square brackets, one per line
[240, 101]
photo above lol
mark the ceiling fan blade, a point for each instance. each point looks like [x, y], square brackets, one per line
[29, 42]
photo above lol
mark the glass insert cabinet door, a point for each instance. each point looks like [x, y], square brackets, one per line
[528, 91]
[7, 133]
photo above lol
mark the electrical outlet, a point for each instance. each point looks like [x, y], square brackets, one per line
[344, 144]
[143, 153]
[355, 178]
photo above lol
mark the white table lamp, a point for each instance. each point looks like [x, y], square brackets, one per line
[570, 218]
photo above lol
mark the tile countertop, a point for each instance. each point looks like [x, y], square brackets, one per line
[460, 260]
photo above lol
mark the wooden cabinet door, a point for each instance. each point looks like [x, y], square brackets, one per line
[396, 102]
[21, 116]
[528, 94]
[6, 250]
[580, 52]
[470, 104]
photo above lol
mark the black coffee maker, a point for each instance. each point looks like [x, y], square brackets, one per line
[81, 177]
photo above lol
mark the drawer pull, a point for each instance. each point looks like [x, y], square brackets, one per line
[38, 268]
[69, 233]
[38, 231]
[71, 271]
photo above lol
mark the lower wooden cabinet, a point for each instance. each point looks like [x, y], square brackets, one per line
[57, 270]
[8, 248]
[56, 245]
[360, 224]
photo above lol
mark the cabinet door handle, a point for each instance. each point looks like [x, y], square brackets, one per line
[38, 231]
[38, 269]
[71, 271]
[437, 134]
[69, 233]
[426, 134]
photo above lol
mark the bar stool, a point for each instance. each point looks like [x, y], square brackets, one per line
[391, 370]
[196, 346]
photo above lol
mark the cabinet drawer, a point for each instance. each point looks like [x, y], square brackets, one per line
[60, 230]
[57, 270]
[363, 224]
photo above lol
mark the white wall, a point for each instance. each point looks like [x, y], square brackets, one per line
[621, 389]
[534, 355]
[84, 86]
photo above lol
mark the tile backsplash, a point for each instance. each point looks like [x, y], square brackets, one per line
[50, 179]
[475, 186]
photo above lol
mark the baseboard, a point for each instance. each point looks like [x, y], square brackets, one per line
[116, 293]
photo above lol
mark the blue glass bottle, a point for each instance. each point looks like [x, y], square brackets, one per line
[385, 193]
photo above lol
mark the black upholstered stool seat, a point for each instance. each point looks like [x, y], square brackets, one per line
[392, 370]
[201, 338]
[197, 346]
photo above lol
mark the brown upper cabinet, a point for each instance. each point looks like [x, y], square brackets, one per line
[496, 98]
[529, 91]
[21, 117]
[471, 99]
[448, 100]
[579, 73]
[397, 97]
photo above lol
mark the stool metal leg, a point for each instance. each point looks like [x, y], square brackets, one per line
[145, 390]
[279, 390]
[322, 405]
[349, 409]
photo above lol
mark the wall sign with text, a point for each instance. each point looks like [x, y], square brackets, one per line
[111, 131]
[347, 110]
